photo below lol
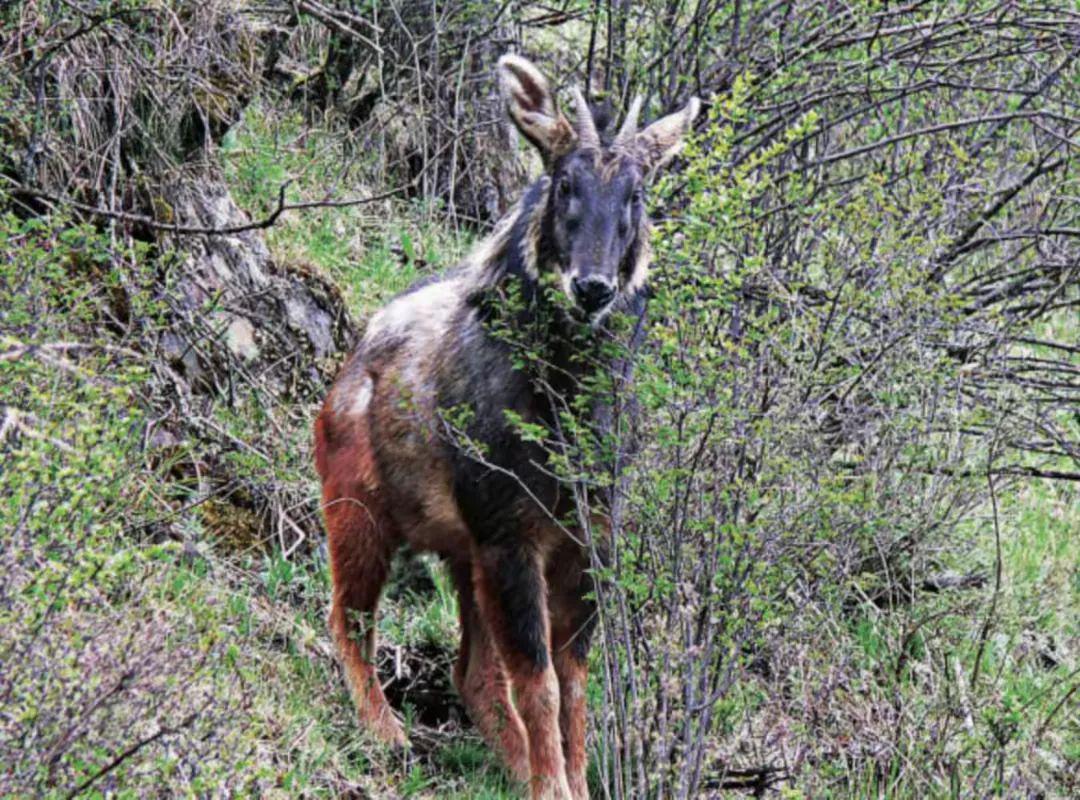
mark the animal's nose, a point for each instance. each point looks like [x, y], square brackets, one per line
[592, 293]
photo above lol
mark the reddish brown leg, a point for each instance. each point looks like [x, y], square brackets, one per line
[572, 671]
[572, 623]
[483, 685]
[361, 542]
[510, 592]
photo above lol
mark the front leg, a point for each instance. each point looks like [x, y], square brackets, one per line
[511, 593]
[482, 682]
[573, 618]
[573, 673]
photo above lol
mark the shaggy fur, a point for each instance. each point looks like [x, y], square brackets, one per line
[392, 473]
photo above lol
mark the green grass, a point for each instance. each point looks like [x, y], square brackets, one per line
[242, 629]
[245, 631]
[1006, 668]
[371, 251]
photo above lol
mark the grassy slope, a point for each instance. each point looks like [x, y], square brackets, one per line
[372, 254]
[240, 637]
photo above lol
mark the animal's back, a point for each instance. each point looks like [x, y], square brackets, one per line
[380, 419]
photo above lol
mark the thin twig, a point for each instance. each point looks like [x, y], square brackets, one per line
[198, 230]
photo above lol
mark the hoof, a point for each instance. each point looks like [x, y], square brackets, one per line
[394, 736]
[550, 788]
[387, 729]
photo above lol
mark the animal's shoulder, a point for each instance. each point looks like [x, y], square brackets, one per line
[422, 312]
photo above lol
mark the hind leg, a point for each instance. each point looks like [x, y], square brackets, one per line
[360, 551]
[483, 685]
[362, 540]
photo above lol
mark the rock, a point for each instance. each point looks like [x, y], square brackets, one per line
[240, 339]
[235, 305]
[307, 318]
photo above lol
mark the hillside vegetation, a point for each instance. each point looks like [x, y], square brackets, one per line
[846, 552]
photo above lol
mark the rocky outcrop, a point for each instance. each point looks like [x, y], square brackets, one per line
[236, 309]
[242, 356]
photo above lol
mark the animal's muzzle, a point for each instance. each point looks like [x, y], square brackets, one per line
[592, 293]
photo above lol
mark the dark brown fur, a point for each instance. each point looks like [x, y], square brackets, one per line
[393, 475]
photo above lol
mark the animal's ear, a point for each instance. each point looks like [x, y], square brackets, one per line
[662, 140]
[533, 109]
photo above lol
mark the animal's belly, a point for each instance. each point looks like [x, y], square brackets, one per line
[428, 519]
[417, 481]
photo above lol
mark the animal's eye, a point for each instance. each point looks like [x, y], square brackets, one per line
[637, 196]
[563, 188]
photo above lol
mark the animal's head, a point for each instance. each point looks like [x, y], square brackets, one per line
[594, 232]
